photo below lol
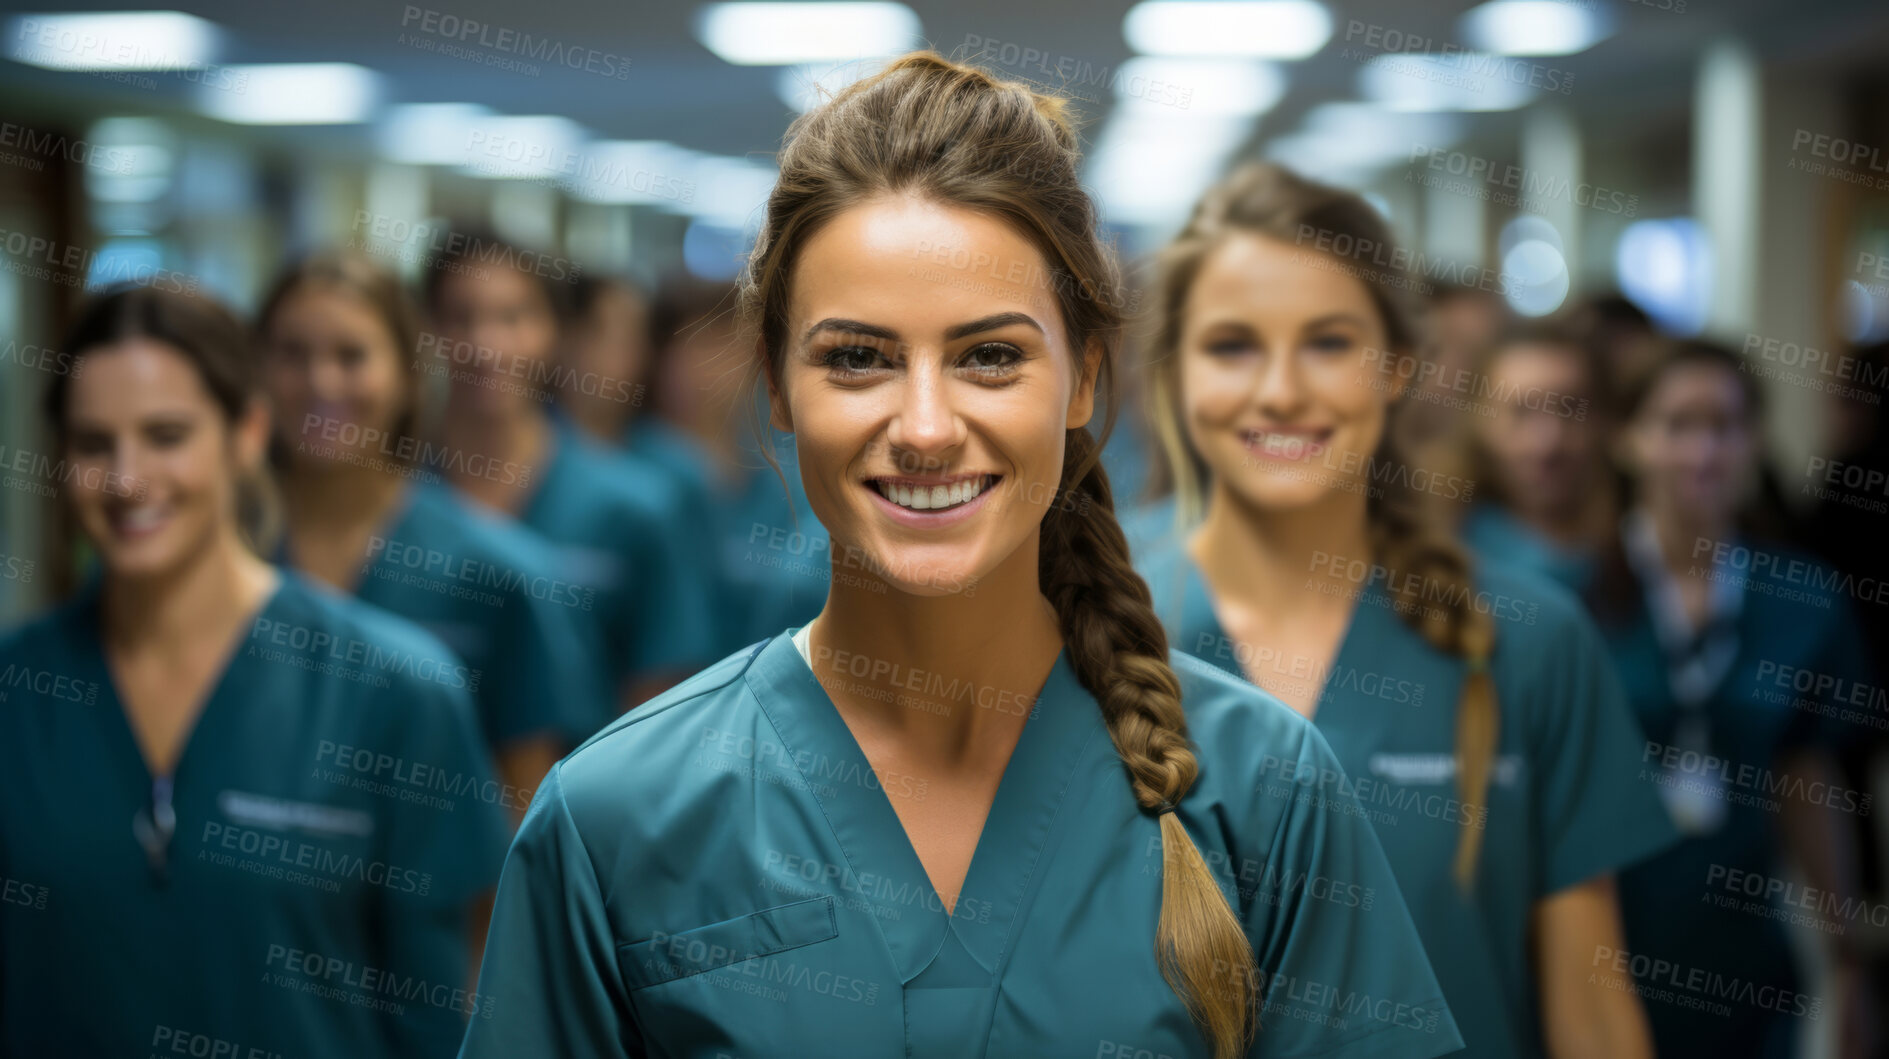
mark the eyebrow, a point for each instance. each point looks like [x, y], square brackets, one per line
[956, 331]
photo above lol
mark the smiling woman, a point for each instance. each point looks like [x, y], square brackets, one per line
[194, 715]
[975, 806]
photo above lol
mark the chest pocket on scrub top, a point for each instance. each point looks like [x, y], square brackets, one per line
[668, 957]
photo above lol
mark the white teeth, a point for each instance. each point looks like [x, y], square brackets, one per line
[931, 498]
[141, 518]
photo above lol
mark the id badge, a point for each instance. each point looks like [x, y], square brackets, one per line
[1695, 800]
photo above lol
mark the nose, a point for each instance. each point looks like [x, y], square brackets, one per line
[1279, 384]
[925, 426]
[125, 475]
[325, 376]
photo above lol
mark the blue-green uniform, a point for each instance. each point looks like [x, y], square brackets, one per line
[771, 554]
[334, 817]
[499, 597]
[721, 873]
[1702, 918]
[1494, 534]
[624, 531]
[1562, 805]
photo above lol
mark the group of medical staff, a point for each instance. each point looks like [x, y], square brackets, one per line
[356, 573]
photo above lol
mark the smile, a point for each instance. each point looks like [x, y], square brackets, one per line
[1286, 445]
[927, 500]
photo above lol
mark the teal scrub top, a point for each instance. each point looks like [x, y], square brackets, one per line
[624, 532]
[335, 817]
[1563, 803]
[1707, 908]
[771, 555]
[497, 595]
[1500, 537]
[721, 873]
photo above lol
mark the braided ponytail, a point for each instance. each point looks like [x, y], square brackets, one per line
[1118, 650]
[955, 134]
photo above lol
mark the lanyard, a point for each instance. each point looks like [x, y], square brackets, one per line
[153, 826]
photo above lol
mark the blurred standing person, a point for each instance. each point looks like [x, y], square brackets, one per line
[770, 552]
[1548, 498]
[1739, 656]
[1461, 322]
[605, 346]
[245, 808]
[621, 524]
[367, 515]
[1472, 705]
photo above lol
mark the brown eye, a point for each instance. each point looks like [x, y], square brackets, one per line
[851, 359]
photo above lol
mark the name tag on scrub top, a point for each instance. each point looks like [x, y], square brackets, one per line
[1695, 797]
[1413, 769]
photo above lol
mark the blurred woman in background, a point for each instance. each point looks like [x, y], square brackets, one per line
[768, 549]
[344, 367]
[619, 523]
[1319, 573]
[1034, 865]
[1742, 662]
[249, 809]
[1547, 495]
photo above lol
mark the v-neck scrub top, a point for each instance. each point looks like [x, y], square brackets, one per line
[335, 817]
[500, 598]
[721, 873]
[1563, 803]
[623, 529]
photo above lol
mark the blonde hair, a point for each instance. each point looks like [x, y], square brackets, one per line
[1406, 536]
[954, 134]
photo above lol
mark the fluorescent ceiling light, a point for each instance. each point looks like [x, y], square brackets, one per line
[1199, 86]
[429, 133]
[808, 85]
[113, 40]
[1261, 29]
[523, 146]
[1468, 81]
[1341, 141]
[292, 94]
[780, 34]
[635, 172]
[1147, 168]
[1535, 27]
[729, 192]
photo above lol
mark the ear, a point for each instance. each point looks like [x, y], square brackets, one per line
[249, 435]
[1082, 401]
[1399, 379]
[778, 414]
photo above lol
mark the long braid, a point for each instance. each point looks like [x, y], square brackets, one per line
[1118, 650]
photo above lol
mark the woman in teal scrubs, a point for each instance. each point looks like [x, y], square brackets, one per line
[346, 367]
[975, 807]
[1742, 659]
[1473, 707]
[244, 815]
[1548, 498]
[621, 524]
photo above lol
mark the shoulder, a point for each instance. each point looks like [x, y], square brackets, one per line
[1534, 615]
[40, 660]
[390, 660]
[647, 749]
[1240, 731]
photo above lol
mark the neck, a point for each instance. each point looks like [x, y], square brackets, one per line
[338, 494]
[1269, 557]
[1575, 525]
[1001, 637]
[602, 421]
[205, 596]
[520, 435]
[1686, 537]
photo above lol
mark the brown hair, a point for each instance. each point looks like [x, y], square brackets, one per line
[1406, 537]
[212, 339]
[359, 277]
[1559, 335]
[954, 134]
